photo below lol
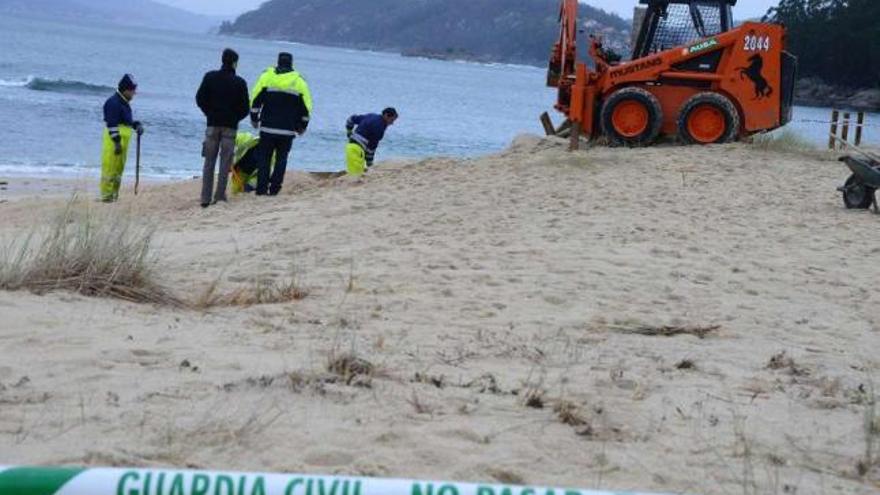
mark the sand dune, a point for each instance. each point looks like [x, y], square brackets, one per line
[513, 311]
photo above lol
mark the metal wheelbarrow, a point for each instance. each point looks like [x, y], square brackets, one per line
[860, 189]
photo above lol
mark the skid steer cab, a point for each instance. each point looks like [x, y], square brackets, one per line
[692, 74]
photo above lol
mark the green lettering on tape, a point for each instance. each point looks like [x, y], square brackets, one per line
[123, 488]
[160, 489]
[485, 490]
[292, 486]
[448, 490]
[259, 487]
[418, 489]
[224, 485]
[322, 490]
[177, 485]
[200, 485]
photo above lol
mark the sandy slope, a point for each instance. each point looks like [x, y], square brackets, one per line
[468, 285]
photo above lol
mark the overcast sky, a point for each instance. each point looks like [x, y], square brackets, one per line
[743, 10]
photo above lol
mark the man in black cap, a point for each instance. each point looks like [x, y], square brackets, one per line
[223, 98]
[117, 134]
[281, 107]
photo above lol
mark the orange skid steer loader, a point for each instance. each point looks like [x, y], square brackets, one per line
[692, 75]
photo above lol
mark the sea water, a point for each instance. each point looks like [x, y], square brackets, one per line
[54, 78]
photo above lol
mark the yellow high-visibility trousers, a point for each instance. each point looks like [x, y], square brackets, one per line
[356, 159]
[113, 165]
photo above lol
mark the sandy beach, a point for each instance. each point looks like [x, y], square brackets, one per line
[686, 320]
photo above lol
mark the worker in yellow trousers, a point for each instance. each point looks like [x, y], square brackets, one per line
[120, 126]
[364, 134]
[245, 163]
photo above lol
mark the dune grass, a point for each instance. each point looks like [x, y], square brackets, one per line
[786, 141]
[259, 291]
[90, 252]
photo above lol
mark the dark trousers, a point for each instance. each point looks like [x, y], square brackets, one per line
[280, 145]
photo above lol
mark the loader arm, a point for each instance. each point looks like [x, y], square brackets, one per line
[564, 53]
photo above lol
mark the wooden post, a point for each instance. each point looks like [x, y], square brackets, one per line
[832, 142]
[564, 129]
[574, 142]
[844, 134]
[548, 124]
[861, 123]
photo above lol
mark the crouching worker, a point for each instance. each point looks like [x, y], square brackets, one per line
[117, 135]
[364, 134]
[246, 163]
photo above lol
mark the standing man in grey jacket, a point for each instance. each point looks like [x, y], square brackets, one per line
[223, 98]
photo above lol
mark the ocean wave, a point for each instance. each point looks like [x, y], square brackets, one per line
[81, 171]
[57, 86]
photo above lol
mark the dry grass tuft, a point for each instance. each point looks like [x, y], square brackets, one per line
[667, 330]
[685, 364]
[420, 406]
[261, 291]
[782, 361]
[534, 398]
[872, 431]
[352, 369]
[569, 413]
[97, 254]
[436, 381]
[506, 476]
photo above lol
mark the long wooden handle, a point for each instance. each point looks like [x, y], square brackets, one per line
[137, 166]
[856, 148]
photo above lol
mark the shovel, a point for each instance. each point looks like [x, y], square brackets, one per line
[137, 166]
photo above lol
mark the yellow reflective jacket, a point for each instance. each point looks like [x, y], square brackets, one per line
[281, 102]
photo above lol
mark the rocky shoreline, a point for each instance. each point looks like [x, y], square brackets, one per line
[816, 93]
[448, 55]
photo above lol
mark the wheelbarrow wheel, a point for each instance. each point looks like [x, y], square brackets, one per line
[856, 195]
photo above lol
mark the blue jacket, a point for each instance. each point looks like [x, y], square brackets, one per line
[369, 131]
[117, 112]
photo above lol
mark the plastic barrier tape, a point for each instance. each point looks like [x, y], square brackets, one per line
[100, 481]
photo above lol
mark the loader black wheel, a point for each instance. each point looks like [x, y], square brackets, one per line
[632, 117]
[857, 195]
[708, 118]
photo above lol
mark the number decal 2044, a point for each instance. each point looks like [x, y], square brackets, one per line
[757, 43]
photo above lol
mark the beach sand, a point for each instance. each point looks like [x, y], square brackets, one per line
[511, 313]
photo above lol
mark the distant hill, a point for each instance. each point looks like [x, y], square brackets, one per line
[146, 13]
[516, 31]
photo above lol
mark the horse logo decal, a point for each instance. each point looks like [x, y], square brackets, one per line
[753, 72]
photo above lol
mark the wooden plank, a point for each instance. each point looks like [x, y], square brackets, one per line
[844, 134]
[832, 142]
[861, 123]
[564, 129]
[574, 142]
[548, 124]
